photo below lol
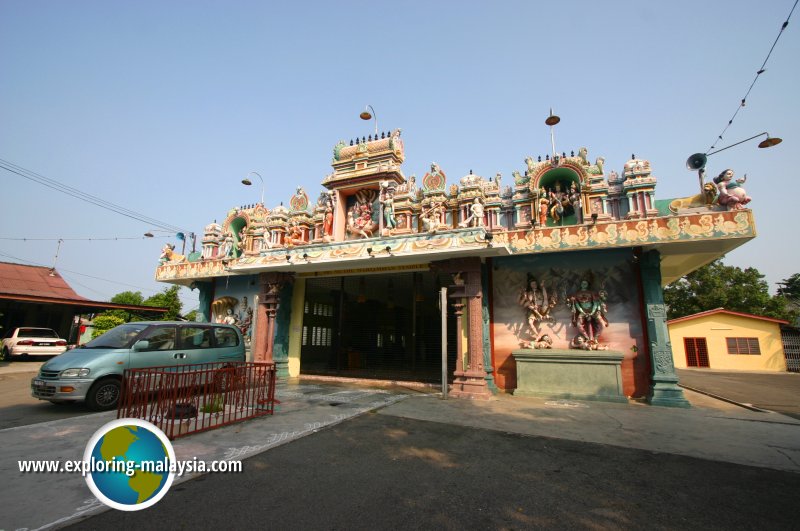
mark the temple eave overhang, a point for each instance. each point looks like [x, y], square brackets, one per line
[684, 241]
[411, 250]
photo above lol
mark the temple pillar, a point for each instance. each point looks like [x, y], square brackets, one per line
[664, 390]
[268, 303]
[466, 291]
[259, 336]
[283, 317]
[486, 329]
[206, 290]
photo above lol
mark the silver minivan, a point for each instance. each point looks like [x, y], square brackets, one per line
[93, 372]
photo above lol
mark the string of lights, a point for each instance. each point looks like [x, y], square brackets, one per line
[83, 196]
[758, 75]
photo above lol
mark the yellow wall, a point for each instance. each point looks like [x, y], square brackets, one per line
[296, 326]
[716, 328]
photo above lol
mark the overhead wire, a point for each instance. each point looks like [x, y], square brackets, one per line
[83, 196]
[82, 239]
[758, 75]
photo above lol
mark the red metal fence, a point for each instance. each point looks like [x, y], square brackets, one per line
[193, 398]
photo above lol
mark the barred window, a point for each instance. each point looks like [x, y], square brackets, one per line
[743, 345]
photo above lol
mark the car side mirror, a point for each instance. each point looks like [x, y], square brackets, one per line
[141, 345]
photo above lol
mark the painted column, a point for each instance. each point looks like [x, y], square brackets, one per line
[283, 318]
[259, 336]
[470, 375]
[269, 299]
[296, 327]
[486, 329]
[206, 290]
[458, 311]
[664, 390]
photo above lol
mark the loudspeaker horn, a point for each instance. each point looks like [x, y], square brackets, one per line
[697, 161]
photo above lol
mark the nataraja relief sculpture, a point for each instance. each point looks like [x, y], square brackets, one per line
[537, 304]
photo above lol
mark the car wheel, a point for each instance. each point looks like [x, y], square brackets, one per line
[6, 354]
[104, 395]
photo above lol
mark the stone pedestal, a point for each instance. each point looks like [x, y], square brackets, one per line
[575, 374]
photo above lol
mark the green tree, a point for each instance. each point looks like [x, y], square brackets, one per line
[790, 288]
[132, 298]
[104, 322]
[167, 299]
[719, 286]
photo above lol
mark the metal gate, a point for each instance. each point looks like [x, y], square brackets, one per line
[696, 351]
[790, 337]
[384, 327]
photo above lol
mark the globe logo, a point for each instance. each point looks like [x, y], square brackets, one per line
[129, 464]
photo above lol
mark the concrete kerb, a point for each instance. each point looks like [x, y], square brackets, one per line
[750, 407]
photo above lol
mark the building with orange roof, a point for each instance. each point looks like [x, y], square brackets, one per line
[727, 340]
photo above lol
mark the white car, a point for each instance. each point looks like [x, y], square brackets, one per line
[28, 341]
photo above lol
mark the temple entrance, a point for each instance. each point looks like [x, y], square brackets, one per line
[384, 327]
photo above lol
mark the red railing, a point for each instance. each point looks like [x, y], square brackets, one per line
[193, 398]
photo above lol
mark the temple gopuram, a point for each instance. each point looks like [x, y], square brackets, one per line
[553, 277]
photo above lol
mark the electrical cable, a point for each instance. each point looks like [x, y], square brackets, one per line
[83, 196]
[758, 74]
[82, 239]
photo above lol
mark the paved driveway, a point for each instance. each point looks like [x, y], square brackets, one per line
[778, 392]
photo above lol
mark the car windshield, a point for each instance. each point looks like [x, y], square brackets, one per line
[36, 332]
[122, 336]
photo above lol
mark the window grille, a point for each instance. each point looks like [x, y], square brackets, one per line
[743, 345]
[696, 351]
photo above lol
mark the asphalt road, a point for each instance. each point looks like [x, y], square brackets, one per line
[18, 407]
[384, 472]
[778, 392]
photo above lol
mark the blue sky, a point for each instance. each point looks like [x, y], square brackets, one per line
[163, 107]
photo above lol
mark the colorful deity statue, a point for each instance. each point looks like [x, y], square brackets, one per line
[731, 193]
[475, 218]
[575, 201]
[169, 256]
[588, 315]
[359, 216]
[543, 207]
[327, 221]
[227, 246]
[294, 236]
[431, 218]
[559, 202]
[537, 304]
[387, 201]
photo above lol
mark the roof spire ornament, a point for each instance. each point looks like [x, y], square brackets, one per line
[551, 121]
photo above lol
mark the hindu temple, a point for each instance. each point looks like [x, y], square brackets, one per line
[552, 278]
